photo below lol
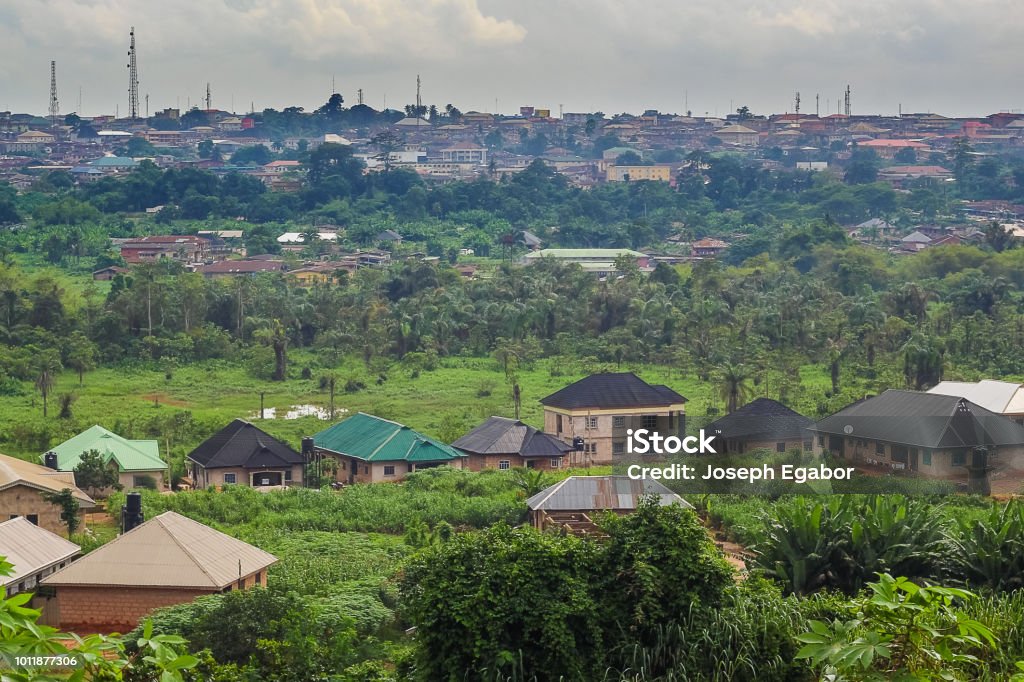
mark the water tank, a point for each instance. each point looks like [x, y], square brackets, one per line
[50, 460]
[131, 512]
[307, 447]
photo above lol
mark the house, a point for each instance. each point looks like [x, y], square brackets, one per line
[1002, 397]
[762, 424]
[576, 502]
[904, 176]
[465, 152]
[739, 135]
[931, 434]
[235, 268]
[34, 552]
[388, 236]
[598, 261]
[708, 248]
[888, 148]
[601, 408]
[30, 141]
[915, 241]
[369, 449]
[135, 460]
[24, 487]
[183, 248]
[323, 273]
[243, 454]
[503, 443]
[657, 173]
[167, 560]
[108, 273]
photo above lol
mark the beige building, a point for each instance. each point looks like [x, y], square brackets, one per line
[23, 487]
[660, 173]
[167, 560]
[34, 552]
[602, 408]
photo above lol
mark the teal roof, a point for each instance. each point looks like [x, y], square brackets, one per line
[373, 439]
[114, 162]
[129, 455]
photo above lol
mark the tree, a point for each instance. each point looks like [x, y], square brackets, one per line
[743, 113]
[65, 499]
[386, 143]
[206, 149]
[80, 354]
[274, 334]
[735, 386]
[48, 365]
[93, 473]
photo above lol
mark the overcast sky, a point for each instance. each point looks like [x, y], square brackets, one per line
[956, 57]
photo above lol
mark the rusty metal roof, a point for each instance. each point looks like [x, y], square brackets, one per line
[578, 493]
[169, 550]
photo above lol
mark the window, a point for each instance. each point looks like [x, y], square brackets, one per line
[259, 579]
[649, 421]
[618, 422]
[879, 448]
[33, 519]
[288, 475]
[241, 584]
[389, 469]
[592, 448]
[139, 481]
[618, 448]
[558, 423]
[229, 478]
[531, 464]
[591, 422]
[780, 447]
[504, 464]
[366, 469]
[555, 462]
[959, 458]
[926, 458]
[821, 441]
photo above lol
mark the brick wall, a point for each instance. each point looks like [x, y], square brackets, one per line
[23, 501]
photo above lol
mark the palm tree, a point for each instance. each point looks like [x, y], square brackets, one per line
[735, 388]
[47, 367]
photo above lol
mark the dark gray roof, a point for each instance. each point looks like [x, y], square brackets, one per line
[240, 444]
[922, 420]
[582, 493]
[503, 436]
[612, 390]
[761, 418]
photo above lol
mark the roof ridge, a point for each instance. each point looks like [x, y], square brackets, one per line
[183, 548]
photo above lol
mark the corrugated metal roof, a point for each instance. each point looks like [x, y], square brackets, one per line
[923, 420]
[762, 417]
[373, 439]
[504, 436]
[130, 455]
[241, 444]
[602, 492]
[990, 394]
[31, 548]
[15, 471]
[169, 550]
[610, 390]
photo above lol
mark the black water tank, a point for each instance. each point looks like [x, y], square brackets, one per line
[577, 443]
[131, 512]
[50, 460]
[307, 447]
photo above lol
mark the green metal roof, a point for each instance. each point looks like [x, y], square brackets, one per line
[129, 455]
[373, 439]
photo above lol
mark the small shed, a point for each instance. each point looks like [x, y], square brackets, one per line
[574, 502]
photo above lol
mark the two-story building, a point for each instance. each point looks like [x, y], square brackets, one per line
[183, 248]
[602, 408]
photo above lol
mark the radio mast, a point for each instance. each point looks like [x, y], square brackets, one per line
[133, 79]
[54, 105]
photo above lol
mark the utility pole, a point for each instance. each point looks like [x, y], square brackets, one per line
[133, 78]
[54, 105]
[817, 105]
[147, 105]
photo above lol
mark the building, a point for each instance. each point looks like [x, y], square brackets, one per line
[708, 247]
[602, 407]
[34, 552]
[369, 449]
[1002, 397]
[242, 454]
[135, 460]
[323, 273]
[29, 142]
[465, 152]
[108, 273]
[503, 443]
[576, 502]
[598, 261]
[931, 434]
[24, 487]
[236, 268]
[739, 135]
[658, 173]
[167, 560]
[185, 249]
[762, 424]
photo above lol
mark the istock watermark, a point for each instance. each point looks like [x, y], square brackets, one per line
[644, 442]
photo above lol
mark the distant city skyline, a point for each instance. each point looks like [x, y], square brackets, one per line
[943, 56]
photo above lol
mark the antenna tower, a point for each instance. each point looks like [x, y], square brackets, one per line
[846, 101]
[797, 102]
[54, 105]
[359, 95]
[817, 105]
[209, 99]
[419, 100]
[133, 78]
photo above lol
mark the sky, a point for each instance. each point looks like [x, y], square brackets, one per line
[954, 57]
